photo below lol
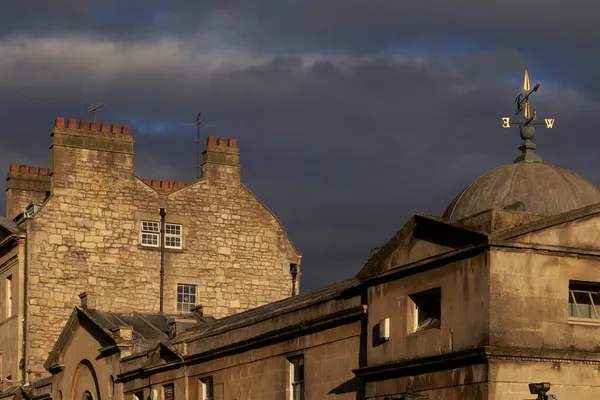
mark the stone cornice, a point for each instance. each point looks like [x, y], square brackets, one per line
[479, 355]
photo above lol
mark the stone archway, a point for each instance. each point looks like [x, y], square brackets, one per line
[85, 383]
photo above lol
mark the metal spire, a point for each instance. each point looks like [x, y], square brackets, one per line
[527, 131]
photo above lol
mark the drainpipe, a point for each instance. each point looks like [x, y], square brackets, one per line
[163, 213]
[25, 301]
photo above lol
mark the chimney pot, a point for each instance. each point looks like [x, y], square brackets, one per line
[222, 142]
[211, 141]
[59, 122]
[233, 143]
[154, 183]
[94, 127]
[42, 171]
[180, 185]
[126, 130]
[116, 129]
[32, 170]
[84, 125]
[14, 168]
[104, 127]
[71, 123]
[146, 180]
[164, 184]
[23, 169]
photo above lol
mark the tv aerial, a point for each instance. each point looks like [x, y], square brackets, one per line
[93, 109]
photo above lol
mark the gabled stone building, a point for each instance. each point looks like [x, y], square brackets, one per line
[501, 291]
[89, 224]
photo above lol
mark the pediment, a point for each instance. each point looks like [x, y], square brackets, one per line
[79, 321]
[576, 229]
[421, 238]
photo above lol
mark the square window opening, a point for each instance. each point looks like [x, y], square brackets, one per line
[584, 300]
[427, 309]
[150, 233]
[169, 392]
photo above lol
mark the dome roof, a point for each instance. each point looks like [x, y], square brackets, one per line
[531, 187]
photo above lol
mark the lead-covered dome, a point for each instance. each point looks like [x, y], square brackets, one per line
[532, 187]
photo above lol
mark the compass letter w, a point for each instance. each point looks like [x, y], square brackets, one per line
[549, 123]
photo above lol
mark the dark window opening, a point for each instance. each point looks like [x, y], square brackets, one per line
[207, 388]
[584, 300]
[169, 392]
[428, 309]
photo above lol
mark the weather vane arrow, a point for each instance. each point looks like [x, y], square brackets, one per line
[526, 128]
[522, 103]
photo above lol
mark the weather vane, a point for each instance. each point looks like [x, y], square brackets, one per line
[526, 127]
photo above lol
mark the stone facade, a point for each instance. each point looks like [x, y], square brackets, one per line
[86, 236]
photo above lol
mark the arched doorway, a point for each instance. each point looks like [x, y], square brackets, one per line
[85, 383]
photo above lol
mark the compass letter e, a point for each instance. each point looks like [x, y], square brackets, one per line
[506, 122]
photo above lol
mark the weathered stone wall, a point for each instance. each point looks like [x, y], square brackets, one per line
[464, 311]
[86, 237]
[25, 185]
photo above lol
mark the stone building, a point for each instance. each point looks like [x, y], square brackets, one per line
[501, 291]
[89, 224]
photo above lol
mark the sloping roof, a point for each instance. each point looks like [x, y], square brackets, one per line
[10, 225]
[267, 311]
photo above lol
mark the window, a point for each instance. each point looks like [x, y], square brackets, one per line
[169, 392]
[207, 389]
[173, 236]
[150, 233]
[87, 395]
[186, 297]
[9, 296]
[584, 300]
[427, 309]
[296, 377]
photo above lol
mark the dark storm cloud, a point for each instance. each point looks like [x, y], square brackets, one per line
[350, 118]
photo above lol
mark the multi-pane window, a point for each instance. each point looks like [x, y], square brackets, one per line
[296, 377]
[584, 300]
[207, 388]
[186, 297]
[169, 392]
[173, 236]
[150, 233]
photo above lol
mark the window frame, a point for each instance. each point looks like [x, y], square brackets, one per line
[294, 362]
[9, 296]
[589, 288]
[173, 235]
[184, 303]
[149, 232]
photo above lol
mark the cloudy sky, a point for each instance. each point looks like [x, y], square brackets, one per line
[351, 115]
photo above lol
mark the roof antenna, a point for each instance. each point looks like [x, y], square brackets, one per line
[198, 123]
[93, 109]
[527, 130]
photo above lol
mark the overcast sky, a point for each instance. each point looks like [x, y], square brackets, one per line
[351, 115]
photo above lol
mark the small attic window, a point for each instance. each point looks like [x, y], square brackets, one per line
[427, 309]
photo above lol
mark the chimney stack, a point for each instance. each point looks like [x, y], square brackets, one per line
[221, 161]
